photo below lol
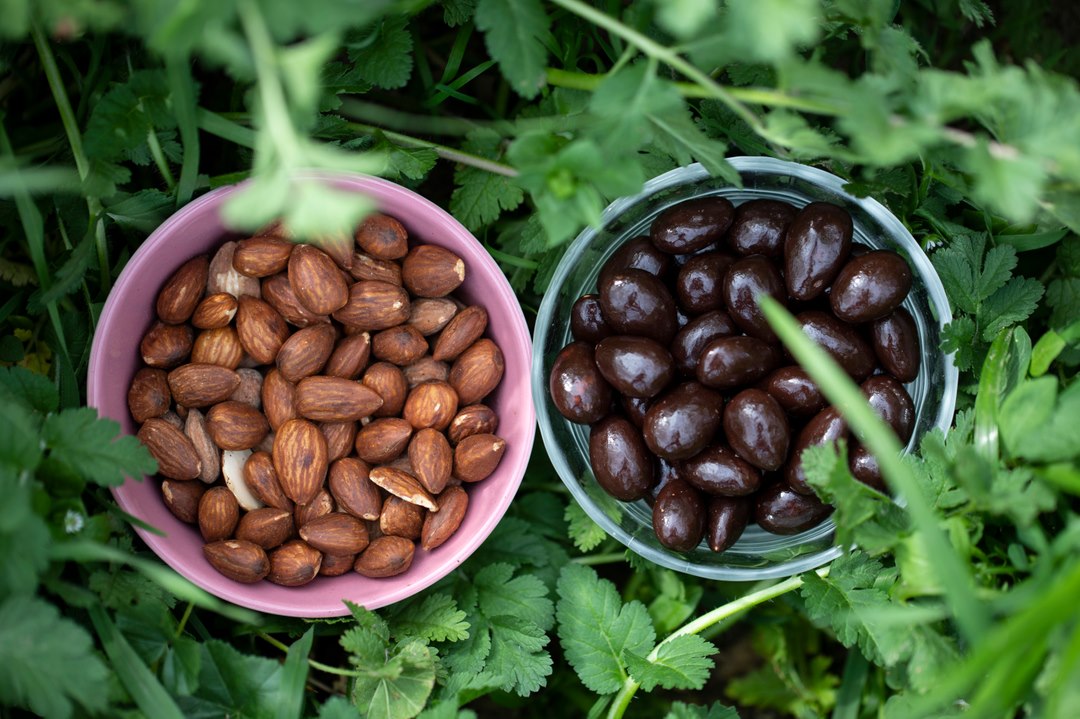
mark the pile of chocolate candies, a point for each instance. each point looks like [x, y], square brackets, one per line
[693, 404]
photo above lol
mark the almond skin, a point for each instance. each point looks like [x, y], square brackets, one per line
[431, 404]
[219, 346]
[294, 564]
[278, 293]
[166, 346]
[401, 519]
[218, 514]
[316, 280]
[432, 271]
[386, 556]
[366, 267]
[235, 425]
[306, 352]
[300, 459]
[334, 565]
[149, 395]
[401, 345]
[339, 247]
[181, 294]
[182, 498]
[336, 533]
[340, 437]
[250, 389]
[478, 371]
[215, 311]
[374, 305]
[389, 383]
[460, 333]
[320, 506]
[268, 527]
[352, 490]
[238, 560]
[476, 457]
[261, 328]
[474, 419]
[426, 369]
[383, 439]
[278, 399]
[429, 316]
[383, 237]
[439, 526]
[224, 277]
[201, 385]
[403, 485]
[208, 451]
[262, 256]
[334, 399]
[262, 480]
[175, 455]
[432, 459]
[350, 357]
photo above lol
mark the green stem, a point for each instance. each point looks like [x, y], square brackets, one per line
[385, 117]
[226, 129]
[311, 662]
[594, 559]
[446, 153]
[183, 620]
[159, 159]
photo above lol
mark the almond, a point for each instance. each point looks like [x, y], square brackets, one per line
[426, 369]
[431, 458]
[182, 498]
[277, 229]
[294, 564]
[238, 560]
[403, 485]
[148, 396]
[439, 526]
[201, 385]
[278, 399]
[175, 455]
[336, 533]
[477, 371]
[374, 305]
[235, 425]
[350, 357]
[278, 293]
[181, 294]
[174, 419]
[340, 437]
[218, 514]
[476, 457]
[233, 464]
[401, 519]
[365, 267]
[383, 439]
[209, 454]
[431, 404]
[432, 271]
[306, 352]
[316, 280]
[215, 311]
[300, 459]
[383, 237]
[354, 492]
[388, 382]
[250, 389]
[268, 527]
[262, 256]
[474, 419]
[401, 345]
[335, 399]
[219, 346]
[340, 249]
[429, 316]
[166, 346]
[334, 565]
[460, 333]
[267, 444]
[321, 505]
[386, 556]
[224, 277]
[261, 328]
[262, 480]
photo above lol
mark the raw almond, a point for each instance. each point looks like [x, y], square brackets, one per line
[300, 459]
[340, 437]
[401, 345]
[166, 346]
[238, 560]
[388, 382]
[460, 333]
[224, 277]
[209, 454]
[374, 305]
[476, 457]
[354, 492]
[426, 369]
[320, 506]
[261, 478]
[432, 459]
[474, 419]
[316, 280]
[262, 256]
[219, 346]
[335, 399]
[366, 267]
[278, 293]
[235, 425]
[250, 389]
[306, 352]
[401, 519]
[429, 316]
[403, 485]
[175, 455]
[181, 294]
[339, 247]
[174, 419]
[383, 237]
[182, 498]
[278, 399]
[218, 514]
[439, 526]
[386, 556]
[268, 527]
[215, 311]
[336, 533]
[350, 357]
[277, 229]
[201, 385]
[294, 564]
[383, 439]
[334, 565]
[477, 371]
[148, 396]
[261, 328]
[432, 271]
[233, 463]
[431, 404]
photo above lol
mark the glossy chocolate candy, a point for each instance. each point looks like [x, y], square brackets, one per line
[700, 282]
[864, 467]
[816, 245]
[781, 510]
[896, 344]
[795, 391]
[682, 422]
[620, 461]
[690, 341]
[718, 470]
[579, 391]
[757, 429]
[730, 362]
[840, 340]
[870, 287]
[635, 302]
[635, 408]
[728, 517]
[745, 281]
[892, 403]
[692, 225]
[587, 321]
[826, 427]
[638, 253]
[679, 516]
[758, 228]
[635, 366]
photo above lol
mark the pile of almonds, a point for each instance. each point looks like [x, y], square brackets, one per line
[317, 410]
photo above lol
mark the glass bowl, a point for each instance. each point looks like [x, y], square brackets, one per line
[758, 554]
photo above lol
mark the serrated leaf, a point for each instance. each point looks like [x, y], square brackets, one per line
[386, 59]
[517, 661]
[681, 710]
[524, 596]
[514, 34]
[142, 211]
[18, 274]
[585, 533]
[436, 618]
[458, 12]
[233, 683]
[78, 438]
[680, 137]
[1011, 304]
[682, 662]
[481, 197]
[959, 337]
[33, 390]
[66, 279]
[24, 552]
[400, 694]
[1063, 297]
[20, 442]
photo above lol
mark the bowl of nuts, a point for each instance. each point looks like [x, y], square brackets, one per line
[346, 418]
[667, 404]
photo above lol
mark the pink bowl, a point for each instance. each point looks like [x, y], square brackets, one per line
[114, 359]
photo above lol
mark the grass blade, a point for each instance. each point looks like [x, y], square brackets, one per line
[290, 703]
[182, 88]
[849, 696]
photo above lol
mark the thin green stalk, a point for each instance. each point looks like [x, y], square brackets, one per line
[849, 697]
[311, 662]
[595, 559]
[385, 117]
[183, 620]
[160, 160]
[446, 153]
[182, 89]
[222, 127]
[274, 106]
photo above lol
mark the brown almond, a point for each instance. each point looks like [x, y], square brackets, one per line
[374, 305]
[353, 491]
[340, 437]
[477, 372]
[383, 237]
[388, 382]
[366, 267]
[321, 505]
[426, 369]
[218, 514]
[300, 459]
[401, 519]
[277, 229]
[181, 294]
[340, 247]
[386, 556]
[261, 328]
[432, 271]
[219, 346]
[294, 564]
[262, 256]
[261, 478]
[148, 396]
[224, 277]
[278, 293]
[431, 404]
[316, 280]
[267, 444]
[235, 425]
[439, 526]
[383, 439]
[268, 527]
[182, 498]
[238, 560]
[215, 311]
[201, 385]
[175, 455]
[174, 419]
[306, 352]
[250, 389]
[350, 357]
[474, 419]
[334, 565]
[336, 533]
[209, 455]
[429, 316]
[401, 345]
[278, 399]
[335, 399]
[431, 458]
[403, 485]
[476, 457]
[460, 333]
[166, 346]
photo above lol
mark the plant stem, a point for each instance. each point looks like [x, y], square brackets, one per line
[446, 153]
[594, 559]
[159, 159]
[183, 620]
[311, 662]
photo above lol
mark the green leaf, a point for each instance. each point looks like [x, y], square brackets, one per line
[180, 666]
[525, 596]
[458, 12]
[515, 32]
[770, 30]
[683, 18]
[294, 676]
[66, 279]
[232, 683]
[142, 211]
[386, 59]
[517, 661]
[968, 277]
[337, 707]
[1063, 297]
[436, 618]
[595, 628]
[959, 337]
[682, 662]
[481, 196]
[20, 442]
[49, 661]
[1011, 304]
[584, 532]
[1033, 426]
[399, 687]
[1011, 184]
[89, 445]
[680, 710]
[31, 389]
